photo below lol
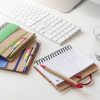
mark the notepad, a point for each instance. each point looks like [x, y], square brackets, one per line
[7, 30]
[67, 61]
[3, 62]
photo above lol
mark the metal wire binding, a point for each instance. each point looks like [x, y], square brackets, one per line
[58, 52]
[3, 25]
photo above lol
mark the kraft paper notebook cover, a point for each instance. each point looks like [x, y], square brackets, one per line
[67, 61]
[9, 35]
[11, 66]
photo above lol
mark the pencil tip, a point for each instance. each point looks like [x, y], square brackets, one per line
[12, 54]
[37, 43]
[34, 34]
[43, 66]
[79, 85]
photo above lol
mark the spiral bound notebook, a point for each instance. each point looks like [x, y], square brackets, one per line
[2, 25]
[66, 61]
[6, 30]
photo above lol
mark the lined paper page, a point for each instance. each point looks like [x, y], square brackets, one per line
[69, 63]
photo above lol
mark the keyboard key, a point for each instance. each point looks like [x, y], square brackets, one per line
[70, 33]
[64, 22]
[41, 31]
[41, 27]
[58, 31]
[51, 16]
[52, 24]
[58, 36]
[39, 10]
[73, 31]
[54, 34]
[48, 35]
[77, 28]
[72, 26]
[44, 20]
[23, 21]
[39, 18]
[56, 21]
[20, 16]
[66, 36]
[28, 24]
[60, 24]
[65, 31]
[59, 19]
[37, 29]
[51, 20]
[62, 33]
[55, 17]
[68, 24]
[33, 27]
[53, 29]
[55, 39]
[62, 28]
[18, 19]
[30, 21]
[48, 22]
[61, 40]
[46, 13]
[33, 18]
[69, 28]
[7, 13]
[42, 11]
[57, 26]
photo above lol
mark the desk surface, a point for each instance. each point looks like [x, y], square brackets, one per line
[15, 86]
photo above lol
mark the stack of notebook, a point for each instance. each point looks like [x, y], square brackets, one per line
[18, 48]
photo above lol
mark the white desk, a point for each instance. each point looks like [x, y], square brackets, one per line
[15, 86]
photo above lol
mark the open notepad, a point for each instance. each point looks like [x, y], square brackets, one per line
[66, 61]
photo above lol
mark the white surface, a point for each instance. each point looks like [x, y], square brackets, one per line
[53, 27]
[68, 63]
[96, 1]
[15, 86]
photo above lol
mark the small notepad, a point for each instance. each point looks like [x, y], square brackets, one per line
[3, 62]
[66, 61]
[6, 30]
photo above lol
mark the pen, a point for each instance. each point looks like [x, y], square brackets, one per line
[27, 54]
[22, 44]
[31, 55]
[68, 80]
[18, 43]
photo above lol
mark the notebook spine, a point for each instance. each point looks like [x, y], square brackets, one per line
[56, 53]
[3, 25]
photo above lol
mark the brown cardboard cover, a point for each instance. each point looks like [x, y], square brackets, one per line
[21, 65]
[10, 66]
[10, 39]
[12, 58]
[9, 50]
[84, 74]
